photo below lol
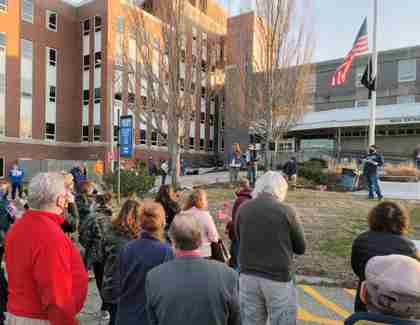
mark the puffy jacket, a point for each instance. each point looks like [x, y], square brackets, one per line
[114, 241]
[92, 234]
[84, 207]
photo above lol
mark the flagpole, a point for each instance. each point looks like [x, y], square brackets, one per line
[372, 103]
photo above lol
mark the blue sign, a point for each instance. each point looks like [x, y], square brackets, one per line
[126, 137]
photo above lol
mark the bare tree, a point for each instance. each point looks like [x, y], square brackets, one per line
[274, 77]
[160, 75]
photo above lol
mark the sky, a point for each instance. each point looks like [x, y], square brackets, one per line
[336, 23]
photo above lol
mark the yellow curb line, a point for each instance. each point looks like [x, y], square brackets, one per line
[306, 316]
[324, 301]
[351, 292]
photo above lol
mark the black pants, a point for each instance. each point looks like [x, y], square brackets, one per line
[98, 271]
[113, 313]
[163, 179]
[3, 290]
[16, 186]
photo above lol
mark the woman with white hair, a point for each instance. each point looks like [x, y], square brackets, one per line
[269, 233]
[47, 278]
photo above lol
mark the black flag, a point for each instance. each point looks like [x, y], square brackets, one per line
[368, 80]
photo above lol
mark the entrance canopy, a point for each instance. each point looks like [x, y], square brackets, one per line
[349, 117]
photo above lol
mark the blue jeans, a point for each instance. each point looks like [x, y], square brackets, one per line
[373, 186]
[252, 174]
[265, 300]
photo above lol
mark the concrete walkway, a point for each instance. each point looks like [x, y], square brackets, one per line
[317, 305]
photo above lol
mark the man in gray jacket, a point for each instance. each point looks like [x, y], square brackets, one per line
[191, 289]
[269, 234]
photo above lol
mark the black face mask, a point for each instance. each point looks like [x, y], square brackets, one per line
[372, 151]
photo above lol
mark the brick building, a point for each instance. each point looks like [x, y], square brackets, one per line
[62, 79]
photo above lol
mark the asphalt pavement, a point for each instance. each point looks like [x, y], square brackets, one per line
[317, 305]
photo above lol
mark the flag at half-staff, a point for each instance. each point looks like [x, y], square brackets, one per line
[360, 47]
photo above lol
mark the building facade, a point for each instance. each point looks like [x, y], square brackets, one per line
[63, 78]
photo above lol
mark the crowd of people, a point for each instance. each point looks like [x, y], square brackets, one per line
[157, 262]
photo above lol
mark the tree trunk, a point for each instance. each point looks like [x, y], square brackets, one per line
[175, 154]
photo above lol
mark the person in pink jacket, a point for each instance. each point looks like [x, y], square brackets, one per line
[197, 204]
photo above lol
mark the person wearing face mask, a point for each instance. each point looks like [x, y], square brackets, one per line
[47, 279]
[370, 170]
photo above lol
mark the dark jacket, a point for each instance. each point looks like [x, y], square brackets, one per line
[290, 168]
[92, 234]
[192, 290]
[79, 176]
[137, 258]
[269, 234]
[372, 168]
[114, 241]
[84, 207]
[6, 219]
[379, 319]
[372, 243]
[241, 197]
[71, 219]
[171, 208]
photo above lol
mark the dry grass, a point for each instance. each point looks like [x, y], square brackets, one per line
[401, 170]
[335, 167]
[331, 222]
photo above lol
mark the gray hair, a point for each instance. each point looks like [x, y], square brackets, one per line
[186, 232]
[44, 189]
[271, 183]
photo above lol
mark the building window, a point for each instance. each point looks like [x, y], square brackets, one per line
[2, 163]
[154, 138]
[26, 88]
[86, 62]
[203, 65]
[119, 24]
[201, 144]
[3, 5]
[98, 59]
[202, 118]
[3, 57]
[143, 138]
[210, 146]
[183, 55]
[408, 99]
[86, 27]
[52, 57]
[51, 20]
[359, 75]
[85, 133]
[86, 96]
[194, 60]
[98, 23]
[97, 97]
[97, 133]
[211, 119]
[407, 70]
[182, 84]
[50, 131]
[361, 103]
[192, 144]
[52, 94]
[116, 133]
[27, 11]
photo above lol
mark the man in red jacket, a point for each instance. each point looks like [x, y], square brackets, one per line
[47, 278]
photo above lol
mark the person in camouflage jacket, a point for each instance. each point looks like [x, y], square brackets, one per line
[85, 200]
[124, 228]
[92, 235]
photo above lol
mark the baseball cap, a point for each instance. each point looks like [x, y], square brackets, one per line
[393, 285]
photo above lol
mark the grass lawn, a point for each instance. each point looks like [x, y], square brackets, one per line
[331, 221]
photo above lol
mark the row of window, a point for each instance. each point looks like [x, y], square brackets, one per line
[382, 132]
[404, 99]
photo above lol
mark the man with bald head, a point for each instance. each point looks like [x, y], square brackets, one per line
[191, 289]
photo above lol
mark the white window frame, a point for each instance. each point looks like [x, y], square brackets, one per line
[413, 97]
[357, 103]
[86, 32]
[25, 17]
[3, 8]
[407, 77]
[359, 71]
[48, 14]
[51, 61]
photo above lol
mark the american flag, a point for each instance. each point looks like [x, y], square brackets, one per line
[360, 47]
